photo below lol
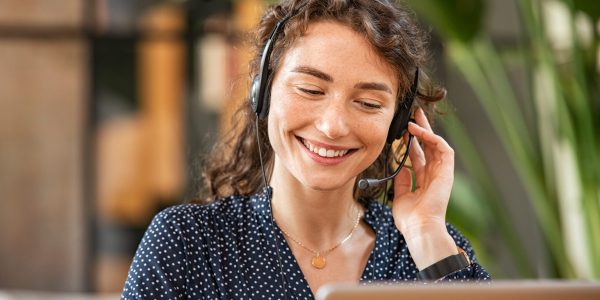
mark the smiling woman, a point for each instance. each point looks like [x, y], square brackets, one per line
[317, 98]
[332, 82]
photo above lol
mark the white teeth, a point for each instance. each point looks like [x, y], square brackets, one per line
[324, 152]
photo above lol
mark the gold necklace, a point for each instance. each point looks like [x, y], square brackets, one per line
[318, 261]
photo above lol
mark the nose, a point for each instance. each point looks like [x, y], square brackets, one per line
[334, 120]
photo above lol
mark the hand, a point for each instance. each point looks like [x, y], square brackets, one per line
[420, 215]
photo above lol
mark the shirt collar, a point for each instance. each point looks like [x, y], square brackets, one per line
[375, 212]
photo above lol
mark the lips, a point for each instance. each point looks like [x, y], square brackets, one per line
[324, 151]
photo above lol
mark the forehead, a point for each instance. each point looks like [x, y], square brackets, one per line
[335, 46]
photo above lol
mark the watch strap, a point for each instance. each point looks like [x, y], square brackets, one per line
[445, 266]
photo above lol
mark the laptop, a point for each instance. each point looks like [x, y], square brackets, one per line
[496, 290]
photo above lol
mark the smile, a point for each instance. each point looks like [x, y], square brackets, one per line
[324, 152]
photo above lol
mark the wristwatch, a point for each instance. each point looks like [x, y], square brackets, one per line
[445, 266]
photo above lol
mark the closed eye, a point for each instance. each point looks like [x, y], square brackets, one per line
[310, 92]
[369, 105]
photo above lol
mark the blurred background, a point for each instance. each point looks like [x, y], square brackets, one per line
[107, 106]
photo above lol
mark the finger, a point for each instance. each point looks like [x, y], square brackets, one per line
[416, 154]
[421, 119]
[436, 148]
[403, 182]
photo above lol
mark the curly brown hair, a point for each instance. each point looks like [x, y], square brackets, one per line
[233, 166]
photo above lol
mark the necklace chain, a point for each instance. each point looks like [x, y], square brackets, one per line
[318, 261]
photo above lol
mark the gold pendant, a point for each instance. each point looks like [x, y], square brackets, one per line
[318, 261]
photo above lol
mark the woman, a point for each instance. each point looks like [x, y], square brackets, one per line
[336, 75]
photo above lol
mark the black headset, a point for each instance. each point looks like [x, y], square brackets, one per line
[261, 90]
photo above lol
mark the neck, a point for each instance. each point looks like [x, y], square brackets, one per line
[318, 218]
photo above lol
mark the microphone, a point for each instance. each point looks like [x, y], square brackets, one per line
[370, 182]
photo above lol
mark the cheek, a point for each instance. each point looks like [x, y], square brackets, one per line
[377, 134]
[283, 117]
[376, 127]
[277, 119]
[374, 134]
[286, 111]
[274, 123]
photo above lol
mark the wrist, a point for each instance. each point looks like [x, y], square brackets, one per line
[429, 244]
[422, 229]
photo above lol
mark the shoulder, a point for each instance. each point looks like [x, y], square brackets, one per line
[230, 207]
[379, 217]
[223, 212]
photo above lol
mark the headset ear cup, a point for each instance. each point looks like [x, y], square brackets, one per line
[266, 101]
[260, 103]
[255, 102]
[400, 121]
[392, 131]
[398, 125]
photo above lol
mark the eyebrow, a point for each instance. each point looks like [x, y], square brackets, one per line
[313, 72]
[324, 76]
[373, 86]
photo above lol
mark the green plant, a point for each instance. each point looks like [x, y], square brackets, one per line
[557, 158]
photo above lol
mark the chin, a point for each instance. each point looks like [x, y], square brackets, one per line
[326, 185]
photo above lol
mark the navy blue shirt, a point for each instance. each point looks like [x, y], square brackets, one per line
[227, 250]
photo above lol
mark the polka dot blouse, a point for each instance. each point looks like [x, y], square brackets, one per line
[227, 250]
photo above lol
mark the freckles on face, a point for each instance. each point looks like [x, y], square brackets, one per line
[332, 101]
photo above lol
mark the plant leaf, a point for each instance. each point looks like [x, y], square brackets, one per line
[454, 19]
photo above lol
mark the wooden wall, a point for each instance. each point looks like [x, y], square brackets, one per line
[65, 183]
[43, 90]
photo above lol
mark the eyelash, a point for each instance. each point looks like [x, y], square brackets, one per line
[364, 104]
[310, 92]
[369, 105]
